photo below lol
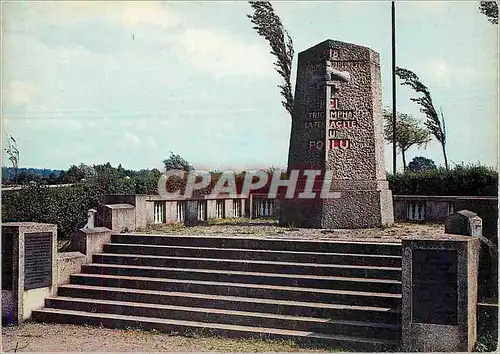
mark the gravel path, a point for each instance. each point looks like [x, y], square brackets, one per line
[41, 337]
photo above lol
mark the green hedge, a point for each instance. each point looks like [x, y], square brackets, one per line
[461, 181]
[65, 206]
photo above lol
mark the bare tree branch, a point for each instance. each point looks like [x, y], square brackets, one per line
[13, 153]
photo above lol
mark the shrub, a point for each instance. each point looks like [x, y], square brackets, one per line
[65, 206]
[475, 180]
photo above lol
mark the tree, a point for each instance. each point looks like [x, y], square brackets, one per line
[13, 153]
[408, 132]
[176, 162]
[87, 171]
[490, 10]
[420, 163]
[435, 125]
[268, 25]
[73, 175]
[146, 181]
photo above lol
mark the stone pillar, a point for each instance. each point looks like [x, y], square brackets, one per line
[191, 216]
[250, 206]
[211, 209]
[228, 208]
[29, 268]
[464, 222]
[337, 129]
[439, 282]
[90, 241]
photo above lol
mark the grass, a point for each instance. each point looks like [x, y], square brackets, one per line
[260, 345]
[232, 221]
[240, 226]
[207, 341]
[486, 342]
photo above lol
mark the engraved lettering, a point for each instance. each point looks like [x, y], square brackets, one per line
[344, 114]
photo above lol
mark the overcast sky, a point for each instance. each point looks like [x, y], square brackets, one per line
[128, 82]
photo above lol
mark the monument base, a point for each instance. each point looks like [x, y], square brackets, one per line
[355, 209]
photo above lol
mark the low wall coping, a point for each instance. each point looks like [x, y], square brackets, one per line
[94, 230]
[444, 197]
[180, 199]
[120, 206]
[24, 223]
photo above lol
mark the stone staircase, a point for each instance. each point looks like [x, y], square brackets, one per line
[345, 294]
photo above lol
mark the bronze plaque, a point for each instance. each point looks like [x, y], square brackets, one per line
[434, 286]
[37, 260]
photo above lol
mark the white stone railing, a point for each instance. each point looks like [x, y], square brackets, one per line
[181, 211]
[264, 208]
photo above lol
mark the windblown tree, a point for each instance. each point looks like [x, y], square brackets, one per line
[435, 122]
[268, 25]
[408, 133]
[13, 153]
[490, 10]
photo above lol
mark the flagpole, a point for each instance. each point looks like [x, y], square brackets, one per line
[393, 22]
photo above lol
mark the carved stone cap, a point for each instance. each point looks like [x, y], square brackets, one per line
[321, 51]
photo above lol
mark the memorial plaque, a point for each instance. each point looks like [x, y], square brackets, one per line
[7, 254]
[434, 286]
[37, 260]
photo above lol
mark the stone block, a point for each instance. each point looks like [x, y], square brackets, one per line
[119, 217]
[29, 268]
[439, 282]
[90, 241]
[69, 263]
[464, 222]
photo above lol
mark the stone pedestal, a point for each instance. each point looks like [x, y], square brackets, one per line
[337, 129]
[29, 268]
[90, 241]
[439, 282]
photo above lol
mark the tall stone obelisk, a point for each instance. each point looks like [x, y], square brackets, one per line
[337, 128]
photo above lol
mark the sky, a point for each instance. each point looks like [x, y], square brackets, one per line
[129, 82]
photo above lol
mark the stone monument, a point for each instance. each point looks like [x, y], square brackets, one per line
[337, 129]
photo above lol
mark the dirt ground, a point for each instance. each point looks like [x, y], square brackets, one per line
[41, 337]
[270, 229]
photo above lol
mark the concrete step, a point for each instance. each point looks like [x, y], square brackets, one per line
[375, 272]
[347, 297]
[256, 255]
[309, 281]
[256, 243]
[240, 318]
[225, 302]
[168, 325]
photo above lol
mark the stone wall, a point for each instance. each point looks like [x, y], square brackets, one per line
[437, 208]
